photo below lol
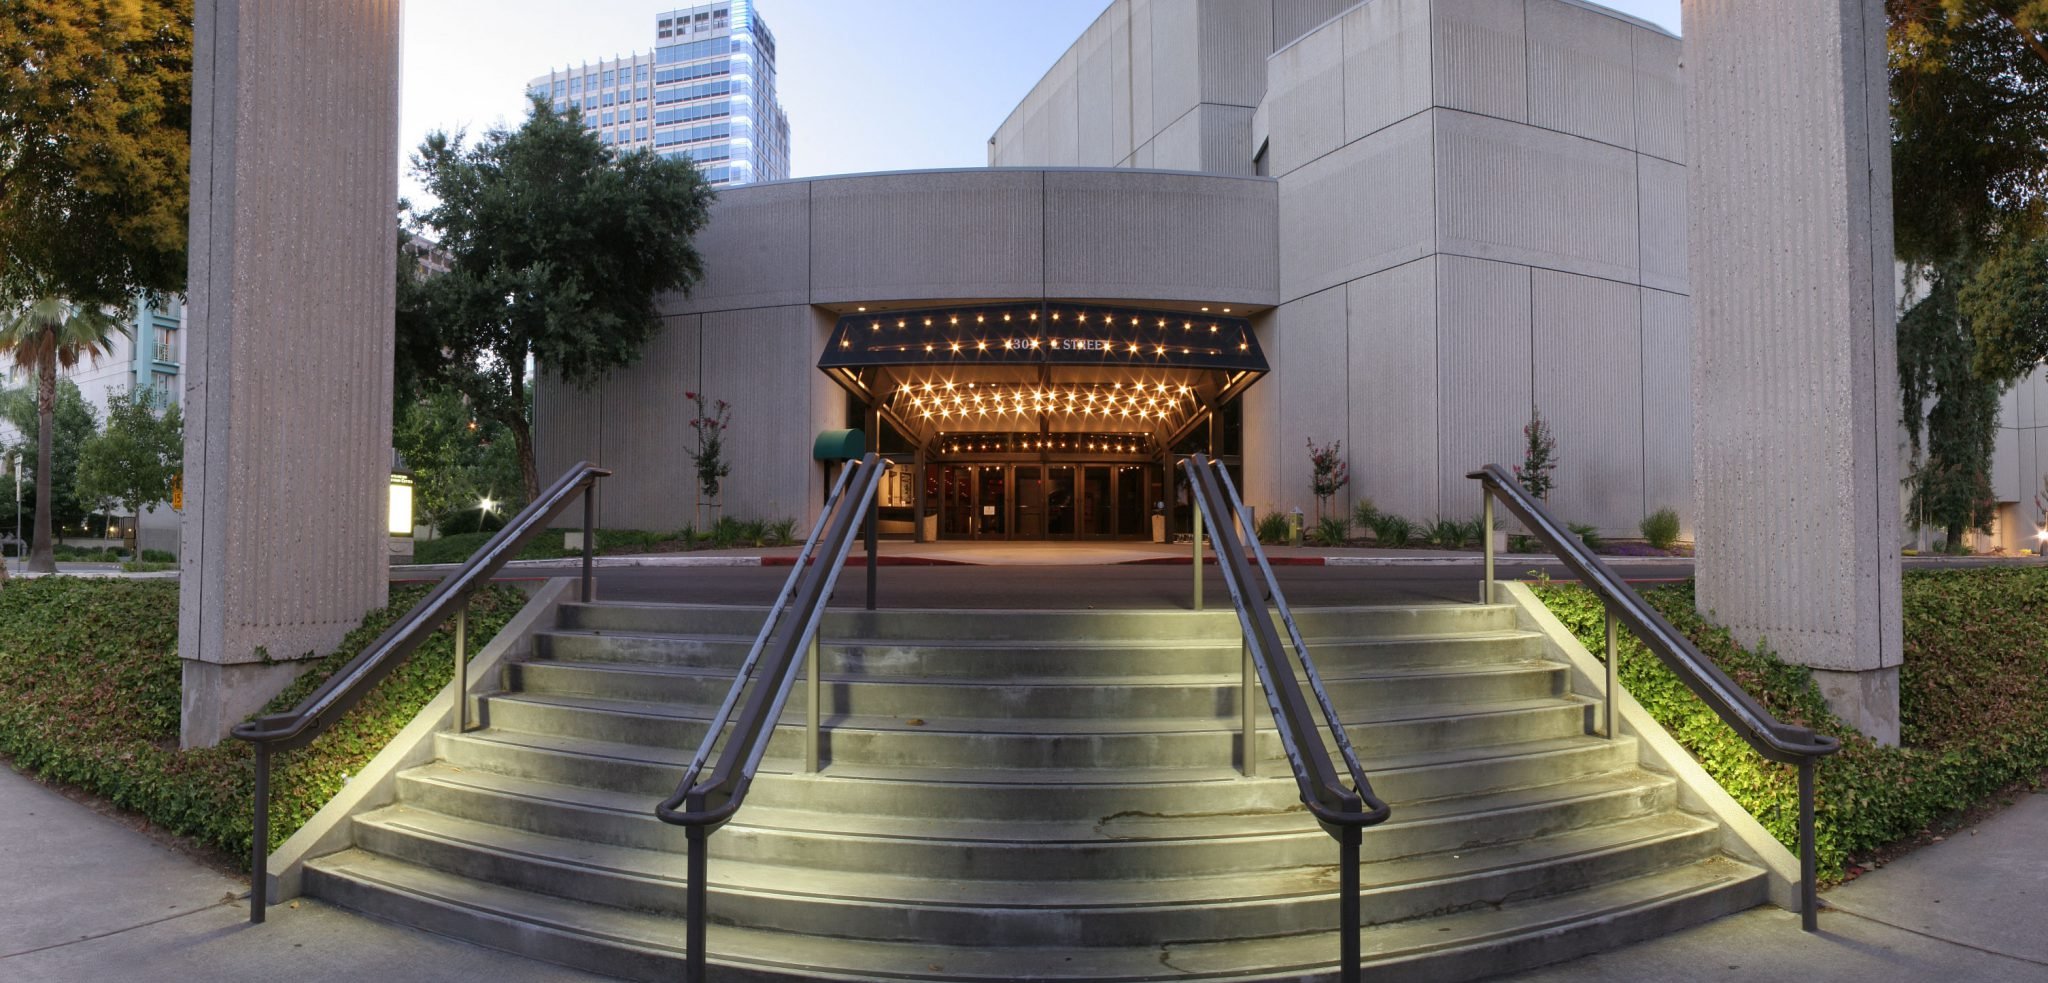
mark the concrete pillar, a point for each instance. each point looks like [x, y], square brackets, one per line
[1794, 374]
[288, 401]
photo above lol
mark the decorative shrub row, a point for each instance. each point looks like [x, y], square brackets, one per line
[726, 533]
[1973, 695]
[89, 697]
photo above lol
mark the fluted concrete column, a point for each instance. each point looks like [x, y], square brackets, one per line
[288, 397]
[1794, 373]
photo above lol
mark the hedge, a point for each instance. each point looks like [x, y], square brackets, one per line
[1973, 700]
[89, 697]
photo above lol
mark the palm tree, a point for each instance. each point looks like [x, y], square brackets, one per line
[49, 334]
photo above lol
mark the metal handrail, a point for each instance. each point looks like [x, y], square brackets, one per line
[298, 726]
[783, 646]
[1342, 812]
[1773, 738]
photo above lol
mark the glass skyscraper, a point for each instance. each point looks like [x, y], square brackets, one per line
[706, 92]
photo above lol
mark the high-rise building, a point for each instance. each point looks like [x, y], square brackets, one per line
[706, 92]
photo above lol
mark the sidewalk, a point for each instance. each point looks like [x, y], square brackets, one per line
[91, 899]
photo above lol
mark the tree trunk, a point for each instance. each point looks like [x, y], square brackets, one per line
[521, 425]
[40, 556]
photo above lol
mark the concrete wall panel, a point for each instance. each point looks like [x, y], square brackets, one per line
[927, 234]
[1237, 35]
[1480, 57]
[1121, 129]
[1525, 195]
[1483, 373]
[1165, 237]
[1581, 72]
[1263, 453]
[1362, 209]
[1667, 406]
[568, 422]
[1095, 91]
[747, 361]
[1178, 147]
[1063, 115]
[1589, 384]
[1394, 401]
[1660, 95]
[756, 249]
[1144, 123]
[1176, 61]
[1386, 64]
[1661, 221]
[646, 425]
[1305, 108]
[1316, 405]
[1227, 140]
[1294, 18]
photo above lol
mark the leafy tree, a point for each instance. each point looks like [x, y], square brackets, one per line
[555, 246]
[1539, 456]
[95, 148]
[133, 462]
[1969, 86]
[457, 459]
[76, 422]
[45, 336]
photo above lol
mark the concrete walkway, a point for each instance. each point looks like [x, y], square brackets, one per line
[89, 898]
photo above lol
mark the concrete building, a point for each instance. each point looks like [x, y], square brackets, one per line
[706, 91]
[1427, 216]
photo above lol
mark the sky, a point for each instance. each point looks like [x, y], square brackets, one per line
[869, 85]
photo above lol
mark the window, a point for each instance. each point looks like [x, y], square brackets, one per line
[611, 78]
[165, 384]
[166, 344]
[640, 75]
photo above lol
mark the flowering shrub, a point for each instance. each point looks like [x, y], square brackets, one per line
[1538, 457]
[709, 455]
[1330, 472]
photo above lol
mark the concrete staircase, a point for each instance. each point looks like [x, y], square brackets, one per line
[1039, 795]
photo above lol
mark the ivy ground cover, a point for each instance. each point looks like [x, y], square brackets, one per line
[89, 690]
[1973, 700]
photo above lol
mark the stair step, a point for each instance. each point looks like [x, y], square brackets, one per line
[999, 659]
[816, 829]
[646, 946]
[931, 904]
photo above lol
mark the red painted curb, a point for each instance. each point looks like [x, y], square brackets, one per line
[884, 561]
[1210, 561]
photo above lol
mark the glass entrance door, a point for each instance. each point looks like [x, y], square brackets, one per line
[992, 502]
[1059, 502]
[956, 502]
[1097, 520]
[1030, 504]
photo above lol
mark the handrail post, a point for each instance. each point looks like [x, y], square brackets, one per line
[1486, 537]
[874, 510]
[1347, 903]
[259, 839]
[1248, 682]
[1198, 557]
[812, 688]
[1809, 893]
[462, 667]
[1613, 667]
[589, 537]
[693, 931]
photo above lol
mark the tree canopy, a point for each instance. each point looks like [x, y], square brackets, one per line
[555, 247]
[457, 459]
[95, 148]
[75, 422]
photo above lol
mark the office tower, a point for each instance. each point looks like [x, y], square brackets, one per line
[706, 92]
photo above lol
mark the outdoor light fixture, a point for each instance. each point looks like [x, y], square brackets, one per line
[486, 505]
[400, 523]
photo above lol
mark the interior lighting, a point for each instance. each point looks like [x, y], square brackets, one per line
[979, 318]
[899, 322]
[955, 319]
[1226, 310]
[981, 346]
[863, 310]
[1034, 315]
[956, 346]
[1205, 310]
[1006, 315]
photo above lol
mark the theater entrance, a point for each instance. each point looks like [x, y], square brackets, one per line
[1051, 501]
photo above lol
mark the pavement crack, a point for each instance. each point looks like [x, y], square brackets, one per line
[1831, 906]
[113, 932]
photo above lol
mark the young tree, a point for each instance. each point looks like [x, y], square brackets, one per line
[1539, 457]
[133, 462]
[95, 148]
[43, 337]
[555, 245]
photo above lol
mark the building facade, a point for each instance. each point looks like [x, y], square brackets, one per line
[147, 357]
[1422, 220]
[706, 92]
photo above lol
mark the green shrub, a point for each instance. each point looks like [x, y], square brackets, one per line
[1475, 531]
[1391, 530]
[1445, 534]
[781, 532]
[158, 556]
[1333, 530]
[89, 697]
[1363, 512]
[146, 566]
[1523, 544]
[1272, 528]
[1660, 528]
[1590, 535]
[1973, 698]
